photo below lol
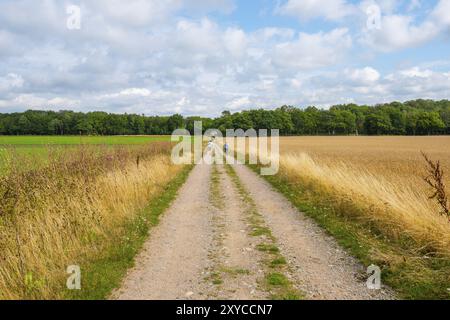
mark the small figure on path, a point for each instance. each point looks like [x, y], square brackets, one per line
[226, 147]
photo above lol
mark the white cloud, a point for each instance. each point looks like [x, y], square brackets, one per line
[399, 31]
[32, 101]
[129, 92]
[239, 104]
[183, 101]
[310, 9]
[60, 101]
[416, 82]
[11, 81]
[7, 43]
[282, 34]
[142, 13]
[311, 51]
[235, 41]
[442, 13]
[201, 37]
[387, 7]
[367, 75]
[415, 72]
[135, 12]
[135, 92]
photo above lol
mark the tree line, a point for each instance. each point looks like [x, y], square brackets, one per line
[418, 117]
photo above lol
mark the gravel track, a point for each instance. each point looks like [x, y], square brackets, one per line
[174, 259]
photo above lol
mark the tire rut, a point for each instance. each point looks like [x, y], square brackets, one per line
[237, 270]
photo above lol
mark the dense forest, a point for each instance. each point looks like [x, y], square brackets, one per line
[418, 117]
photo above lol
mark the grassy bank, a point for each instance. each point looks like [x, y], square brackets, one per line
[413, 258]
[85, 208]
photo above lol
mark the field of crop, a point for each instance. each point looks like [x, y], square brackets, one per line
[393, 158]
[378, 183]
[388, 172]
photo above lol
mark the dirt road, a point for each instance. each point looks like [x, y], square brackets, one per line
[175, 257]
[229, 235]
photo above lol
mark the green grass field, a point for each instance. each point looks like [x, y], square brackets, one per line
[77, 140]
[33, 151]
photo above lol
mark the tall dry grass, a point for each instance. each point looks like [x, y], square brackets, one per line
[66, 213]
[382, 176]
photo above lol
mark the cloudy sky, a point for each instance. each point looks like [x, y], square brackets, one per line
[203, 56]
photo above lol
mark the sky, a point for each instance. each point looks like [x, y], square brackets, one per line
[200, 57]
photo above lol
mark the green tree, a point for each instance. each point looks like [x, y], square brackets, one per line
[242, 121]
[56, 126]
[175, 122]
[24, 125]
[411, 122]
[398, 117]
[344, 122]
[411, 118]
[283, 121]
[429, 123]
[312, 116]
[84, 126]
[445, 116]
[224, 122]
[378, 123]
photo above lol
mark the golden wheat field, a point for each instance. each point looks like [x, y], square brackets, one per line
[383, 175]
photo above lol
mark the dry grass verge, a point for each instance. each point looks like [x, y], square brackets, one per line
[71, 211]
